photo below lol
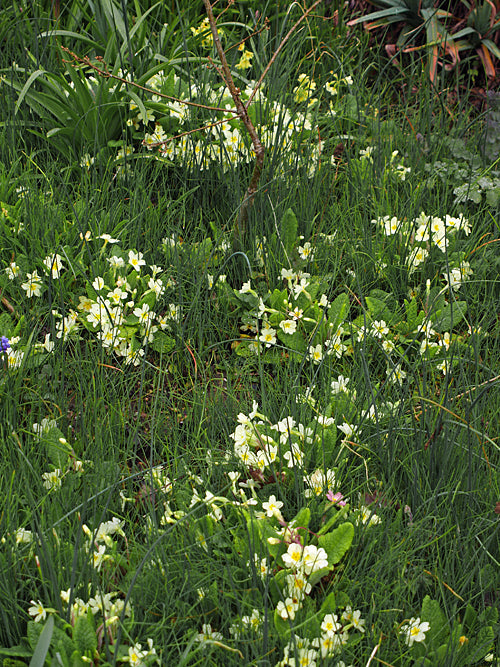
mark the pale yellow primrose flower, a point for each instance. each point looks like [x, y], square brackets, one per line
[414, 630]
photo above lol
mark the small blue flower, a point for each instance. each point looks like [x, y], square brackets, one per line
[4, 344]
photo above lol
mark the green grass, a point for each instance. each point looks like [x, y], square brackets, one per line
[425, 461]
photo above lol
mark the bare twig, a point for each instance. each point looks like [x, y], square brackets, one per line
[276, 53]
[106, 74]
[241, 223]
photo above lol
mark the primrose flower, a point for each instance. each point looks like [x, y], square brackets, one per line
[208, 634]
[24, 536]
[254, 621]
[288, 326]
[293, 556]
[135, 260]
[316, 353]
[144, 314]
[87, 161]
[107, 238]
[294, 455]
[367, 516]
[261, 566]
[33, 286]
[414, 631]
[54, 264]
[52, 480]
[287, 608]
[330, 625]
[297, 585]
[136, 655]
[313, 559]
[38, 611]
[379, 328]
[319, 481]
[12, 271]
[306, 251]
[340, 384]
[268, 335]
[273, 507]
[115, 261]
[98, 283]
[353, 617]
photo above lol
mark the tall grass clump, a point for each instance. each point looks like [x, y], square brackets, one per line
[279, 451]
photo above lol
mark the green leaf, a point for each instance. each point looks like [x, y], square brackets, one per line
[302, 518]
[293, 341]
[438, 626]
[162, 343]
[336, 516]
[337, 543]
[329, 605]
[33, 77]
[282, 627]
[449, 316]
[378, 309]
[339, 309]
[484, 641]
[57, 452]
[43, 644]
[289, 227]
[318, 575]
[84, 636]
[17, 652]
[278, 298]
[33, 632]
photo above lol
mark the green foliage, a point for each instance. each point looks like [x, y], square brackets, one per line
[271, 461]
[461, 643]
[43, 644]
[462, 169]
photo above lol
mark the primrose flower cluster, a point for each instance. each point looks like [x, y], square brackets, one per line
[177, 130]
[289, 555]
[165, 131]
[394, 167]
[107, 608]
[423, 234]
[124, 297]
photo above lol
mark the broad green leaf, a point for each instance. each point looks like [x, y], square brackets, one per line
[301, 520]
[282, 627]
[329, 605]
[17, 652]
[438, 626]
[338, 311]
[84, 636]
[378, 309]
[162, 343]
[293, 341]
[57, 449]
[337, 543]
[448, 317]
[278, 298]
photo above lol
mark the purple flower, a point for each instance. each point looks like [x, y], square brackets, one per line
[4, 344]
[336, 498]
